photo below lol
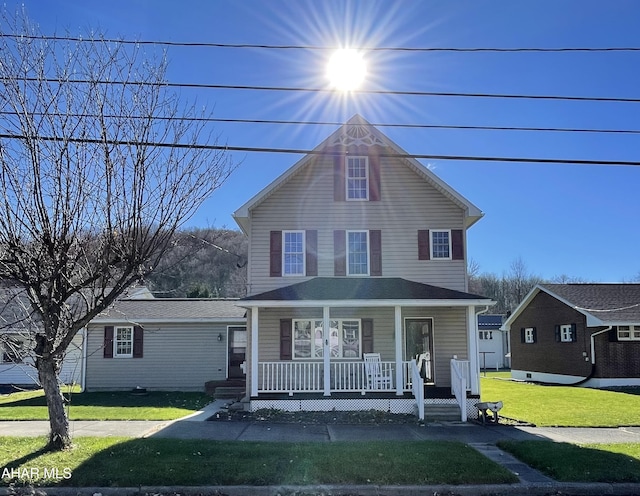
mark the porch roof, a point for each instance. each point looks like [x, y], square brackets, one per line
[347, 291]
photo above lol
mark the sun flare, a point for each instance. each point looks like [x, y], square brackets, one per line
[346, 69]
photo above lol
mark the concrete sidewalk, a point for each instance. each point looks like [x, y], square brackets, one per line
[483, 438]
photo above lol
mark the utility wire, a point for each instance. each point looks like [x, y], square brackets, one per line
[315, 47]
[336, 123]
[330, 90]
[321, 152]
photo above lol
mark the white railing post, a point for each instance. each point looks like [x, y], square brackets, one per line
[459, 388]
[418, 388]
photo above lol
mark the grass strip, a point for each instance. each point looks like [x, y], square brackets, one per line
[120, 462]
[563, 406]
[155, 405]
[579, 463]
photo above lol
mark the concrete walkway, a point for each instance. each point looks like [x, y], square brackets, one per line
[482, 438]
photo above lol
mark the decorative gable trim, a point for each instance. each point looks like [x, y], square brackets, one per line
[356, 135]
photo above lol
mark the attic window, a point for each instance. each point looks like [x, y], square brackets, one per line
[629, 333]
[357, 182]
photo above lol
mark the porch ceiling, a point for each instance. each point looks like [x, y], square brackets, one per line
[347, 291]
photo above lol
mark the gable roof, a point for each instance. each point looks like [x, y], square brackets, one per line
[357, 129]
[602, 304]
[344, 291]
[177, 310]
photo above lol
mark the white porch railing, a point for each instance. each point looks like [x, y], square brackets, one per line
[460, 384]
[307, 377]
[417, 388]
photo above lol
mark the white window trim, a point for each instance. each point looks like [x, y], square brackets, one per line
[631, 329]
[115, 342]
[431, 244]
[366, 178]
[566, 333]
[304, 251]
[318, 323]
[368, 253]
[528, 335]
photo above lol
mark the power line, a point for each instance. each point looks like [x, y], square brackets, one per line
[316, 47]
[470, 158]
[329, 90]
[337, 123]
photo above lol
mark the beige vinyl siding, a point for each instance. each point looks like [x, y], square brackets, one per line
[408, 203]
[175, 358]
[449, 329]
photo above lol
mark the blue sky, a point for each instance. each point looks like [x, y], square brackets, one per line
[578, 220]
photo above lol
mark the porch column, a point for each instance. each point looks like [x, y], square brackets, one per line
[254, 351]
[472, 337]
[398, 336]
[326, 351]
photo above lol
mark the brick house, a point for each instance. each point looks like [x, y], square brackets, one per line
[587, 334]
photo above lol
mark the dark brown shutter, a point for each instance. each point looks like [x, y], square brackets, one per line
[107, 351]
[311, 252]
[523, 333]
[138, 334]
[374, 178]
[375, 247]
[367, 335]
[339, 186]
[535, 335]
[457, 244]
[558, 334]
[275, 254]
[340, 253]
[574, 333]
[424, 252]
[286, 342]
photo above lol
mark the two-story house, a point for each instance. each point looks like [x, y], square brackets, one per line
[356, 251]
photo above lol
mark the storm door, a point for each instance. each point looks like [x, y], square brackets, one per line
[237, 351]
[418, 345]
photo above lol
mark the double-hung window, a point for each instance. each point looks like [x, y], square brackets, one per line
[357, 178]
[357, 253]
[629, 333]
[566, 333]
[293, 253]
[123, 342]
[440, 243]
[530, 335]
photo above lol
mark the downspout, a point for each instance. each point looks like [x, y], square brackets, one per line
[474, 356]
[593, 359]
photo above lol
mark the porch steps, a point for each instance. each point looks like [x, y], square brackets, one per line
[234, 393]
[441, 413]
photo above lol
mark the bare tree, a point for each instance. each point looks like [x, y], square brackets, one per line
[99, 166]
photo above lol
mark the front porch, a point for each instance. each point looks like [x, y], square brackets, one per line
[309, 343]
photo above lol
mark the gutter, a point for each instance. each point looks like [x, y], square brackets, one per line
[593, 343]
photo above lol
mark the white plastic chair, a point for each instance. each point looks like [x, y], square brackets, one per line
[377, 378]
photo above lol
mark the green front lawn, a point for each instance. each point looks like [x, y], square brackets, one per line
[31, 405]
[586, 463]
[132, 462]
[563, 406]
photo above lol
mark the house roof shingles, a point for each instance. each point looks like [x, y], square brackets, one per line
[179, 309]
[365, 288]
[610, 303]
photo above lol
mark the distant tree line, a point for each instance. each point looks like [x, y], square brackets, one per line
[202, 263]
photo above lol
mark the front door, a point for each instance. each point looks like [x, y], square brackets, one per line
[237, 351]
[418, 339]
